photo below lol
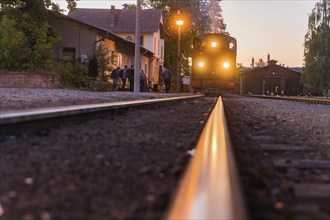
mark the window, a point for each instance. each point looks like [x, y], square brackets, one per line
[125, 60]
[113, 58]
[129, 38]
[69, 52]
[146, 68]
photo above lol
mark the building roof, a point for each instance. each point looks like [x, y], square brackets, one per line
[107, 34]
[118, 20]
[267, 68]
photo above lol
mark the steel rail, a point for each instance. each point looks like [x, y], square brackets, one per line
[211, 188]
[54, 112]
[322, 101]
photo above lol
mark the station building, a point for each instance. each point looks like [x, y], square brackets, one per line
[121, 22]
[271, 79]
[82, 31]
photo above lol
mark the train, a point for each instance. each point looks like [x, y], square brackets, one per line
[213, 63]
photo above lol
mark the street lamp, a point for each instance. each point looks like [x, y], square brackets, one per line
[179, 22]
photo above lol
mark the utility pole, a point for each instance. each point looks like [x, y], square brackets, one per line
[179, 22]
[137, 57]
[178, 68]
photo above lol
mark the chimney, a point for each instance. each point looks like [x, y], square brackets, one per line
[112, 16]
[252, 64]
[268, 58]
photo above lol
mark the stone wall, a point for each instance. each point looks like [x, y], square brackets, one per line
[29, 80]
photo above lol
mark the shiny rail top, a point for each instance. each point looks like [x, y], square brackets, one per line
[210, 188]
[54, 112]
[315, 100]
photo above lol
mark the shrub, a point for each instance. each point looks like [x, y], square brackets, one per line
[74, 74]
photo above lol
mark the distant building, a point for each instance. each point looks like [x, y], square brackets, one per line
[80, 40]
[122, 23]
[270, 79]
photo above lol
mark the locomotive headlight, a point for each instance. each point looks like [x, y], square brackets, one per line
[201, 64]
[226, 65]
[214, 44]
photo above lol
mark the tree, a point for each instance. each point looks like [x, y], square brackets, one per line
[129, 6]
[26, 39]
[38, 6]
[316, 73]
[260, 63]
[25, 44]
[103, 59]
[198, 16]
[217, 21]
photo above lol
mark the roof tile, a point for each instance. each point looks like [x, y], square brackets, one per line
[124, 19]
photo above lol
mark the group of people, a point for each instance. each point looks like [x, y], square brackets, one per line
[123, 75]
[145, 84]
[128, 73]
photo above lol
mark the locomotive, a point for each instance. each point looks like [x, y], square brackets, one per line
[213, 63]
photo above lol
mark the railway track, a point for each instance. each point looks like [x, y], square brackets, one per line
[278, 175]
[321, 101]
[283, 154]
[65, 111]
[211, 187]
[210, 158]
[212, 148]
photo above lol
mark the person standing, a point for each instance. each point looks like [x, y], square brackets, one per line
[130, 76]
[115, 76]
[143, 81]
[123, 78]
[167, 79]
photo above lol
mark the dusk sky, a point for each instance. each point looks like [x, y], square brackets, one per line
[260, 27]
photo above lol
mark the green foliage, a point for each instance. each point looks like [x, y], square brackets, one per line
[23, 49]
[12, 49]
[103, 58]
[74, 74]
[39, 6]
[26, 39]
[317, 47]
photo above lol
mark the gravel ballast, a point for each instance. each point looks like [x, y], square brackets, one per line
[125, 165]
[283, 154]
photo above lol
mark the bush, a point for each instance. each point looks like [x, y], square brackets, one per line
[25, 48]
[74, 74]
[103, 59]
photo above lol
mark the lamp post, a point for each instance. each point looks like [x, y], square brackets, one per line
[179, 22]
[137, 56]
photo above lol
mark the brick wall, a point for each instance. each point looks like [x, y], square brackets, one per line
[28, 80]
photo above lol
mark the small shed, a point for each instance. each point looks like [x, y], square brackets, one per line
[271, 79]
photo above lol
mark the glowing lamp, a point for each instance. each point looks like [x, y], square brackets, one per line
[179, 22]
[226, 65]
[201, 64]
[214, 44]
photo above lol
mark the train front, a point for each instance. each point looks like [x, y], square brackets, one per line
[213, 63]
